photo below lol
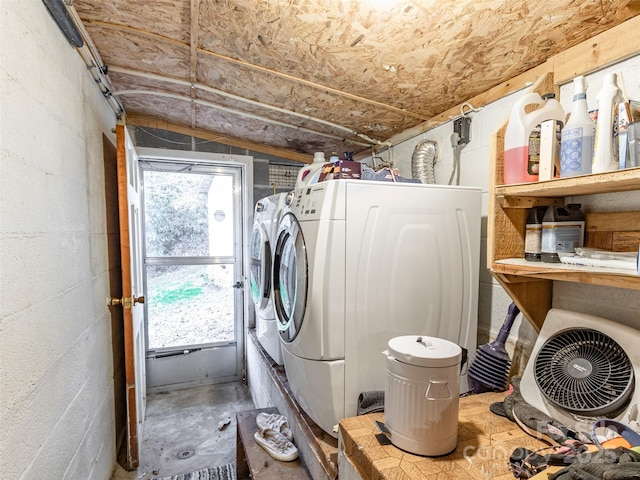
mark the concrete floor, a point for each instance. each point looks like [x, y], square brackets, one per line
[181, 432]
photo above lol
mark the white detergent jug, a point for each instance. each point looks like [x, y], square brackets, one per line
[517, 168]
[309, 174]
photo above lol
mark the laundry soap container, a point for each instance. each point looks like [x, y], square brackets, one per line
[521, 148]
[422, 394]
[309, 174]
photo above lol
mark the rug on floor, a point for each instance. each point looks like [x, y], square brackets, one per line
[225, 472]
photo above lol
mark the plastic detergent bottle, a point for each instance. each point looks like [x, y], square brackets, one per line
[562, 231]
[605, 157]
[517, 165]
[307, 175]
[578, 135]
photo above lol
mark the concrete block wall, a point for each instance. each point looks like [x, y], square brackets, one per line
[155, 138]
[56, 386]
[474, 164]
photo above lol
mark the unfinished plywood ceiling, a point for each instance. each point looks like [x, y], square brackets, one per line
[292, 77]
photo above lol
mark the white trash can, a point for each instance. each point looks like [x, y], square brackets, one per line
[422, 394]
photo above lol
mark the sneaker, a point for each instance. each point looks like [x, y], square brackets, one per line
[276, 445]
[276, 422]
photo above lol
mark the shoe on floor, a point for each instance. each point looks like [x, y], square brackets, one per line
[274, 421]
[276, 445]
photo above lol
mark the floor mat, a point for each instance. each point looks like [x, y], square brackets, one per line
[225, 472]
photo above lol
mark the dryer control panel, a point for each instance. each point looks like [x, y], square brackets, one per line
[318, 201]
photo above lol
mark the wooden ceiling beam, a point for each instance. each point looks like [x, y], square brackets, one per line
[149, 122]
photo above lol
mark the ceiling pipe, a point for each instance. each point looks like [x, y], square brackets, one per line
[175, 81]
[236, 112]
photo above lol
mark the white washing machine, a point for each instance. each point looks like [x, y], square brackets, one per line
[265, 224]
[359, 262]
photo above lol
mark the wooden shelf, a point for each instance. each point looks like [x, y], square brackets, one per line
[569, 273]
[595, 183]
[530, 284]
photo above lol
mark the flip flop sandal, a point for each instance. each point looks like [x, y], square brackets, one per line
[276, 422]
[276, 445]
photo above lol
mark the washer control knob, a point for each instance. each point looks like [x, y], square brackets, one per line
[289, 200]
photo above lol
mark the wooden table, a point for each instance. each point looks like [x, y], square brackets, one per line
[485, 442]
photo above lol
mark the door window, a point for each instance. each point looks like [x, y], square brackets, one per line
[193, 272]
[188, 234]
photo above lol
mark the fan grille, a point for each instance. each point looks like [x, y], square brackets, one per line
[584, 371]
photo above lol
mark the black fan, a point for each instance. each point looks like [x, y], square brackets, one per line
[585, 372]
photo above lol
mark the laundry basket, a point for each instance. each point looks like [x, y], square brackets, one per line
[422, 394]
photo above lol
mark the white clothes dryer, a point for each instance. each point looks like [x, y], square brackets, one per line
[359, 262]
[265, 224]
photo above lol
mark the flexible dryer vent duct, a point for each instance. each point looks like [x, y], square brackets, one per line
[423, 161]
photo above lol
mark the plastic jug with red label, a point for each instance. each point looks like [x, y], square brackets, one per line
[517, 168]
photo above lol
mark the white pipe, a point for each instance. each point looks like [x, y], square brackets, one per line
[152, 76]
[232, 111]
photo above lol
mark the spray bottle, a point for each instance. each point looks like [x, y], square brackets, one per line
[577, 135]
[518, 167]
[605, 158]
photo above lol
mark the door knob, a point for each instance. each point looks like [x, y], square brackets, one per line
[126, 302]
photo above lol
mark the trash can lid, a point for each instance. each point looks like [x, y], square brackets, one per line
[423, 351]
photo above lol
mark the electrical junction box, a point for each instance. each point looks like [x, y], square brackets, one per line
[462, 126]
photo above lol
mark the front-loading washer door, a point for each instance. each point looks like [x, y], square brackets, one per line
[290, 277]
[260, 266]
